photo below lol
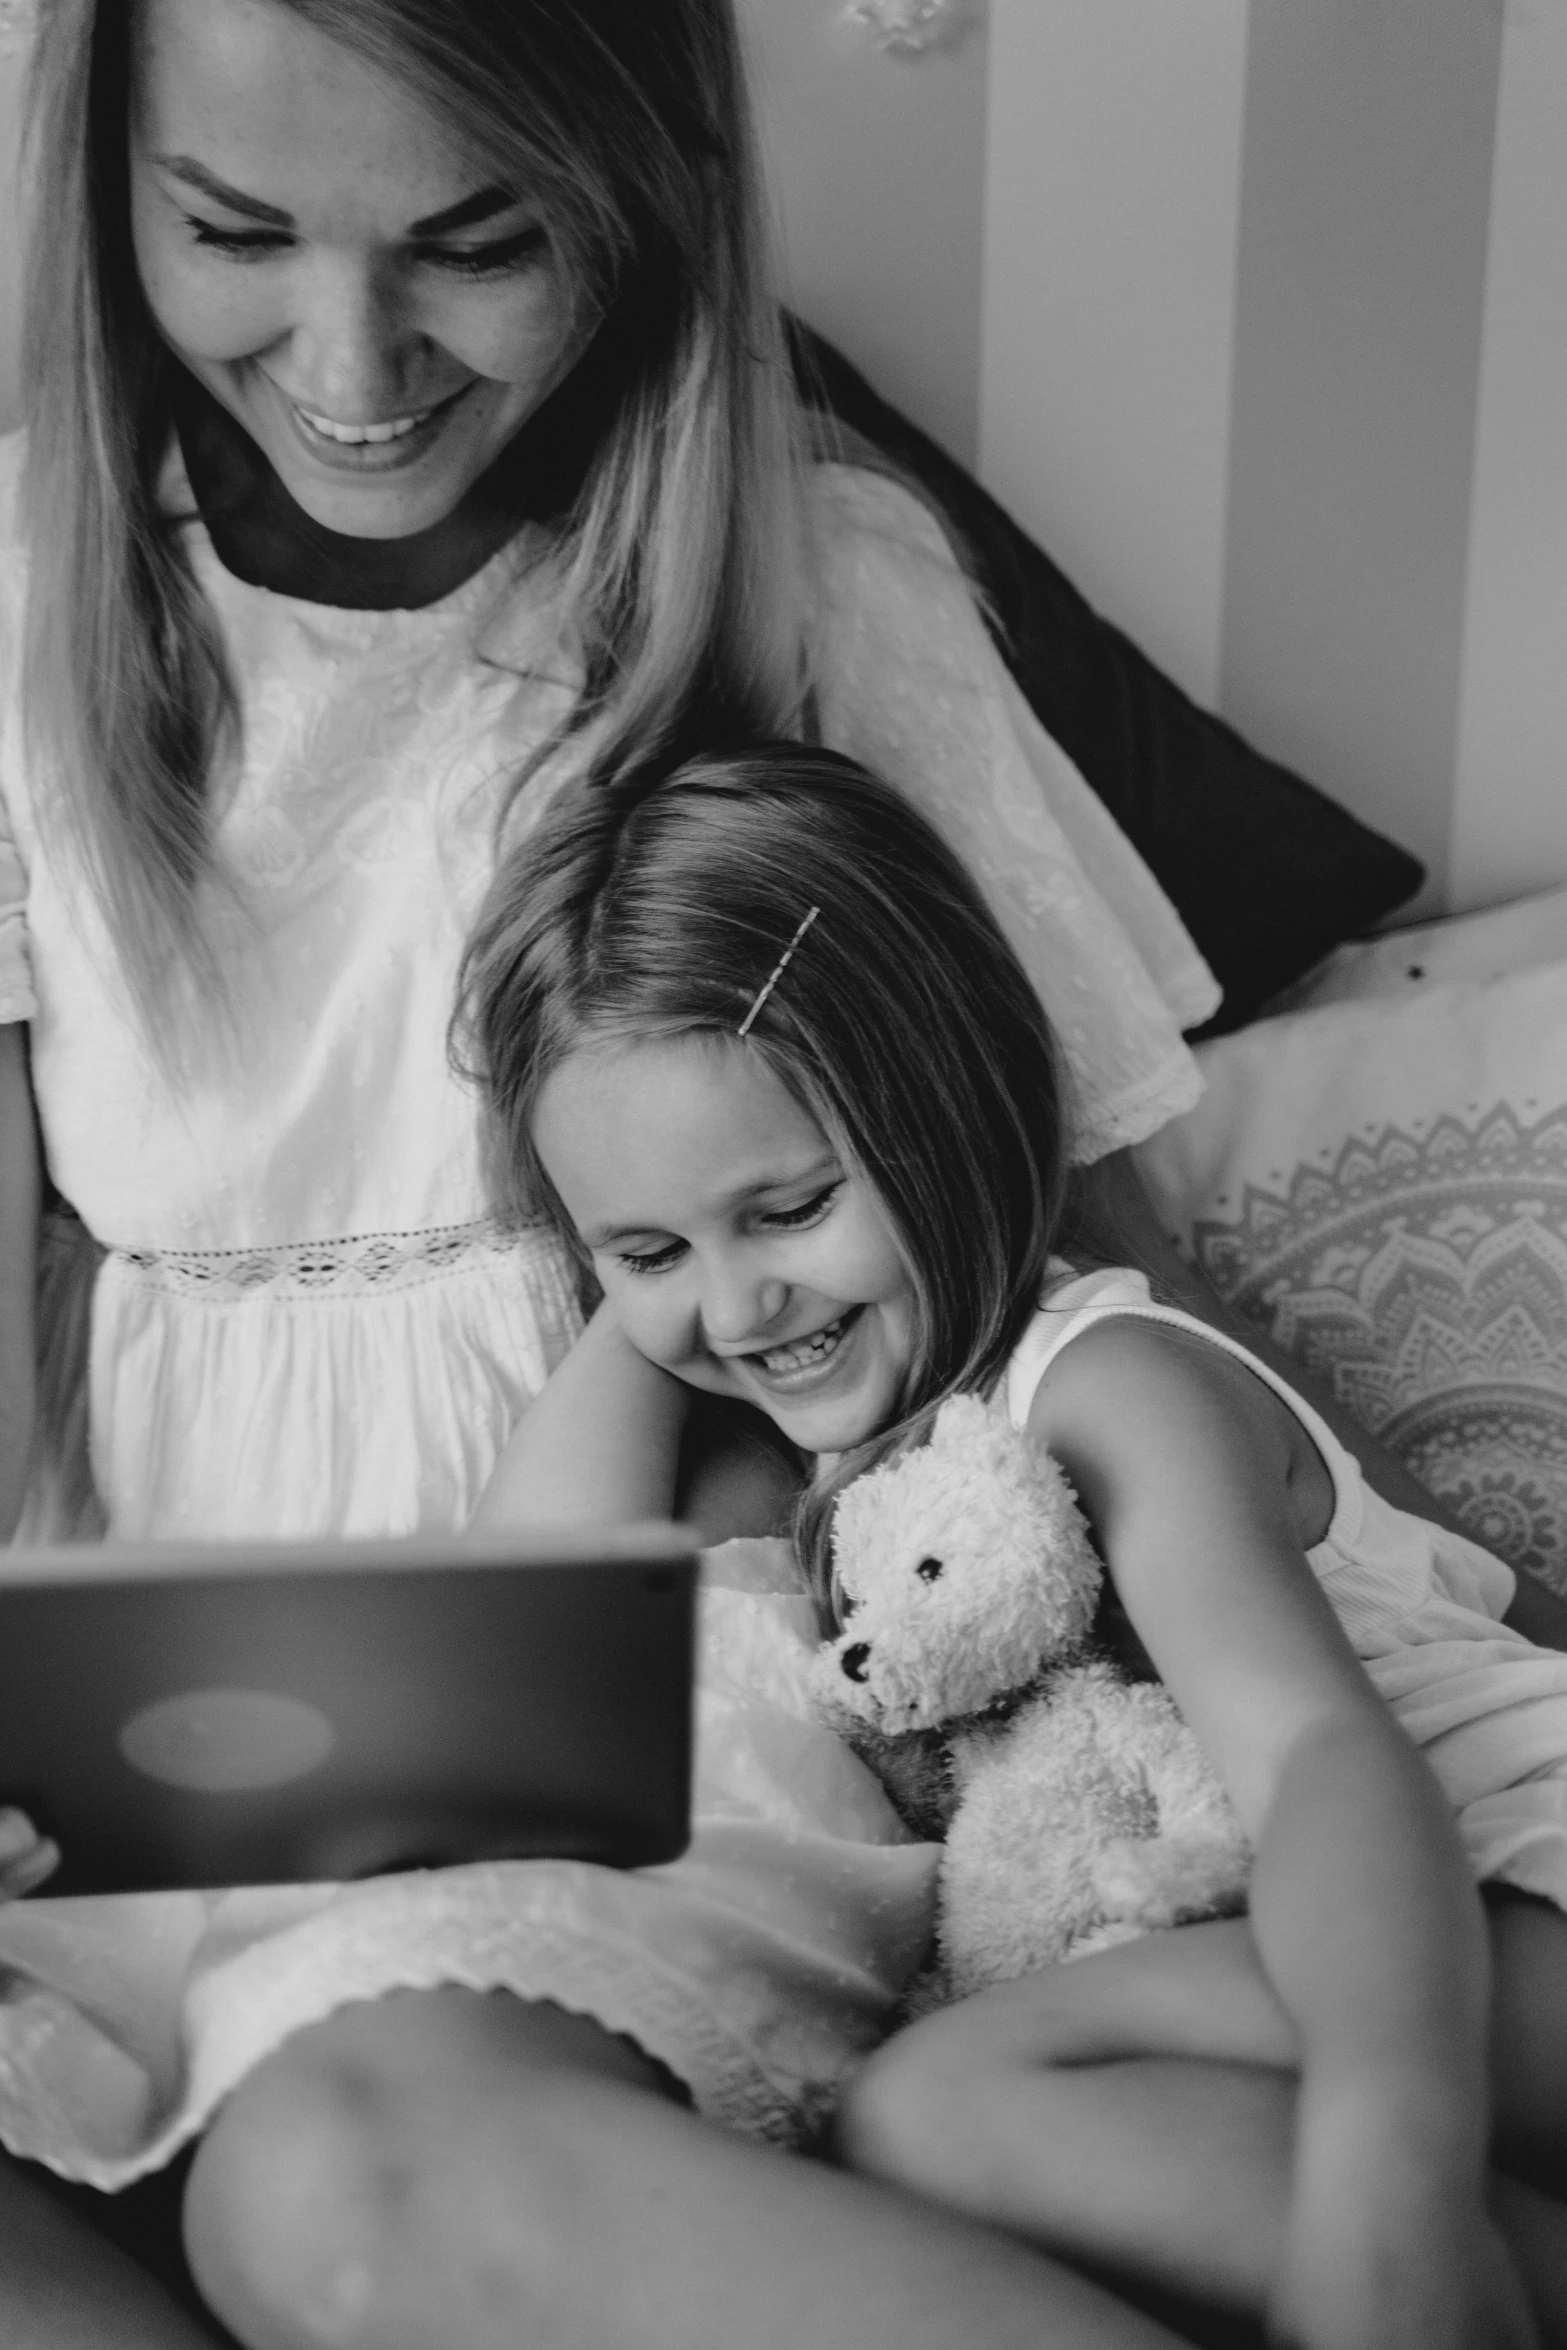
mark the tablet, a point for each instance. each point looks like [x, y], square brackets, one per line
[262, 1713]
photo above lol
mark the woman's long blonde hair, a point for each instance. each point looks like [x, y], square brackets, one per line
[679, 564]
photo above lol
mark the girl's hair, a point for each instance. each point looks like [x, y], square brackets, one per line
[903, 1022]
[628, 120]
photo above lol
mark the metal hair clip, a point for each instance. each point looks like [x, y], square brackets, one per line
[776, 973]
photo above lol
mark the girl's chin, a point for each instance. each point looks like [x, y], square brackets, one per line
[836, 1426]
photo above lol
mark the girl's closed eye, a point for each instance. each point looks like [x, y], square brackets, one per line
[808, 1211]
[652, 1260]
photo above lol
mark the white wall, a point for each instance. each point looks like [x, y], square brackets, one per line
[1510, 799]
[877, 163]
[1113, 162]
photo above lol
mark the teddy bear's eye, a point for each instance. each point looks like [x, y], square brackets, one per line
[928, 1570]
[856, 1659]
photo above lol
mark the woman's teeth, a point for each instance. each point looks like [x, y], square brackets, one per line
[353, 435]
[803, 1351]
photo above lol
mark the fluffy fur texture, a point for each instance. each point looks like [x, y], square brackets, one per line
[1077, 1807]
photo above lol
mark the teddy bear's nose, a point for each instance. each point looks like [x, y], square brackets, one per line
[928, 1570]
[855, 1660]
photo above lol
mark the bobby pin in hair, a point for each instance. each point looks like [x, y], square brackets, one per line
[776, 973]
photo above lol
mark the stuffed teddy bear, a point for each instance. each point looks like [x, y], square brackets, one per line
[1078, 1809]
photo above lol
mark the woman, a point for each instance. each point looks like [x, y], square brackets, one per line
[406, 433]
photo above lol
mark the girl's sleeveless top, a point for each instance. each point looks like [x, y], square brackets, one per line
[303, 1317]
[1421, 1606]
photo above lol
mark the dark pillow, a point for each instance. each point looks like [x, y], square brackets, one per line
[1267, 872]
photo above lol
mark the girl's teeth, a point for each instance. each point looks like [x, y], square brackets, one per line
[805, 1350]
[358, 433]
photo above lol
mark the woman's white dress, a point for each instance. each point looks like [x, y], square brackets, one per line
[305, 1320]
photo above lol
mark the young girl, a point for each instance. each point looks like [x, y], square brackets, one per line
[755, 1046]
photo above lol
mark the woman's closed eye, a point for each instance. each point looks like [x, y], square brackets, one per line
[240, 244]
[494, 259]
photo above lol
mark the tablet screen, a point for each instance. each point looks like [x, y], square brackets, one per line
[248, 1714]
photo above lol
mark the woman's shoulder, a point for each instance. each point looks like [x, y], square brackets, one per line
[861, 509]
[892, 599]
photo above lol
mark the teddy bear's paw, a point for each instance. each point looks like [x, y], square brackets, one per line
[1155, 1881]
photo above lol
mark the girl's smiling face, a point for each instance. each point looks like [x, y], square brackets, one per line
[735, 1245]
[336, 265]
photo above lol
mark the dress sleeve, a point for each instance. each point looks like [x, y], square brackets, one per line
[17, 1001]
[909, 683]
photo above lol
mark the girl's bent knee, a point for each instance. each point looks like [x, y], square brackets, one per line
[290, 2196]
[909, 2108]
[391, 2147]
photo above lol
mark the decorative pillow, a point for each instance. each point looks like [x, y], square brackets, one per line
[1380, 1183]
[1266, 871]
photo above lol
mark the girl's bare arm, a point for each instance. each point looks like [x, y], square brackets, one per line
[1363, 1910]
[1127, 1228]
[600, 1444]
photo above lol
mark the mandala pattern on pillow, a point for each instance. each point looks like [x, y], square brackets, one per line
[1424, 1276]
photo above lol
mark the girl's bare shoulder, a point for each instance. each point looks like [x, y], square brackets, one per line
[1133, 1396]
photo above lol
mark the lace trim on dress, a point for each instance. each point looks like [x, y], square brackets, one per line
[360, 1264]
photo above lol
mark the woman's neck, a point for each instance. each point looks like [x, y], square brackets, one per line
[266, 538]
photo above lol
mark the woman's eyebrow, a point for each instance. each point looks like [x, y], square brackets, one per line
[482, 205]
[196, 175]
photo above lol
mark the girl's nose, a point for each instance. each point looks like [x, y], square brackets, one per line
[355, 355]
[738, 1306]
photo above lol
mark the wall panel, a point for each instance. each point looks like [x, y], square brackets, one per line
[1110, 217]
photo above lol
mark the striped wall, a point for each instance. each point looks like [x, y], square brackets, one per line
[1255, 312]
[1272, 352]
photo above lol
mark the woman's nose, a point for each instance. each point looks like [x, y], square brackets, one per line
[355, 353]
[739, 1304]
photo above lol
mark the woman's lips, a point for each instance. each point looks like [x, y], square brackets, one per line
[383, 447]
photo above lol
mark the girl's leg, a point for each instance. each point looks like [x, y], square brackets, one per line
[64, 2285]
[1134, 2112]
[465, 2169]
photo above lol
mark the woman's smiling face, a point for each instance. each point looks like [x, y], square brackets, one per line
[336, 264]
[735, 1246]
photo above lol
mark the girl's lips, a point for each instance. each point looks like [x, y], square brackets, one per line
[805, 1363]
[400, 442]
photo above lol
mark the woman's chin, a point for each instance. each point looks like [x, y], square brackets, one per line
[391, 506]
[387, 490]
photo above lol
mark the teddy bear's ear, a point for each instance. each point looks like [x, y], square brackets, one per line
[960, 1419]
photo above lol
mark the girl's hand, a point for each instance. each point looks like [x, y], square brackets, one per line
[26, 1858]
[1383, 2255]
